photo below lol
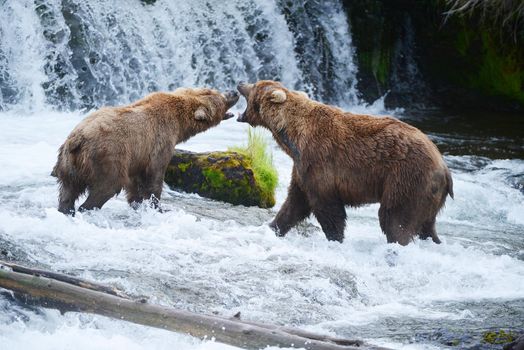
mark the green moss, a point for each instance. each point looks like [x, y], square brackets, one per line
[499, 74]
[500, 337]
[183, 166]
[454, 342]
[226, 176]
[214, 177]
[484, 63]
[264, 171]
[381, 66]
[495, 73]
[378, 62]
[463, 41]
[218, 185]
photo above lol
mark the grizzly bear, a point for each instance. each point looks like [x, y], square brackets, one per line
[130, 147]
[340, 158]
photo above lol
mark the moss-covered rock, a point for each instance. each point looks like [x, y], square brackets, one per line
[471, 63]
[464, 60]
[226, 176]
[500, 337]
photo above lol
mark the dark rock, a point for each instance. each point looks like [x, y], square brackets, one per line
[517, 344]
[421, 57]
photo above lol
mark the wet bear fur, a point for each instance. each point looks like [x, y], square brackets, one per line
[341, 158]
[130, 147]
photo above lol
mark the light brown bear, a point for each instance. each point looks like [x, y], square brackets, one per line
[342, 159]
[130, 147]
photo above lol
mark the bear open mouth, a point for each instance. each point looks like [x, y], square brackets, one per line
[228, 115]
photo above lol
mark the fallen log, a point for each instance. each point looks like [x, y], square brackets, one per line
[66, 296]
[64, 278]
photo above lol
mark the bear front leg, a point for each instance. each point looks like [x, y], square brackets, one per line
[295, 209]
[153, 188]
[332, 219]
[67, 197]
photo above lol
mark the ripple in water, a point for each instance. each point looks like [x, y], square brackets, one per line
[208, 256]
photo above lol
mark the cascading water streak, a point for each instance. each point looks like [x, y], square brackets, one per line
[73, 54]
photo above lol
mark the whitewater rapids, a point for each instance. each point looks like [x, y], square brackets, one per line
[208, 256]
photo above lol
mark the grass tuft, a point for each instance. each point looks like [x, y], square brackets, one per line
[264, 171]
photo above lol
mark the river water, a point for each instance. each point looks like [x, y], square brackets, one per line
[58, 59]
[208, 256]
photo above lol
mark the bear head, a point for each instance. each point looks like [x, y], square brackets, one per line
[266, 102]
[209, 106]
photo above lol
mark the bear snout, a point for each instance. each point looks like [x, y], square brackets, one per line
[244, 88]
[231, 97]
[242, 117]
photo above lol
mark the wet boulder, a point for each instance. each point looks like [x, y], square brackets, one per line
[225, 176]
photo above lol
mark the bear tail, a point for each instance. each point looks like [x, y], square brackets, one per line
[65, 152]
[449, 180]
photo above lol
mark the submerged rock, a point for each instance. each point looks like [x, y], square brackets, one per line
[517, 344]
[226, 176]
[500, 337]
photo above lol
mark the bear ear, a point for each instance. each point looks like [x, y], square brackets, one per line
[278, 96]
[201, 115]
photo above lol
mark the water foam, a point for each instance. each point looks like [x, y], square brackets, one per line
[74, 54]
[202, 256]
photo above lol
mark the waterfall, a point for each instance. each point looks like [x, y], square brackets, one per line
[73, 54]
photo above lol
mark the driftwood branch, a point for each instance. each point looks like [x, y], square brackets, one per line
[64, 278]
[44, 289]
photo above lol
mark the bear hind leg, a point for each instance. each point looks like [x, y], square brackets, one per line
[428, 230]
[98, 196]
[397, 225]
[134, 191]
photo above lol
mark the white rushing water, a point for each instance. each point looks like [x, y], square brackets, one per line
[207, 256]
[210, 257]
[74, 54]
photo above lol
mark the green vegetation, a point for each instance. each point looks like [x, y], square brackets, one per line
[485, 65]
[378, 62]
[500, 337]
[381, 66]
[215, 177]
[469, 52]
[264, 171]
[500, 74]
[242, 175]
[183, 166]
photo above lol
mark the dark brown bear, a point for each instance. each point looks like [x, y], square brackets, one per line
[130, 147]
[342, 159]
